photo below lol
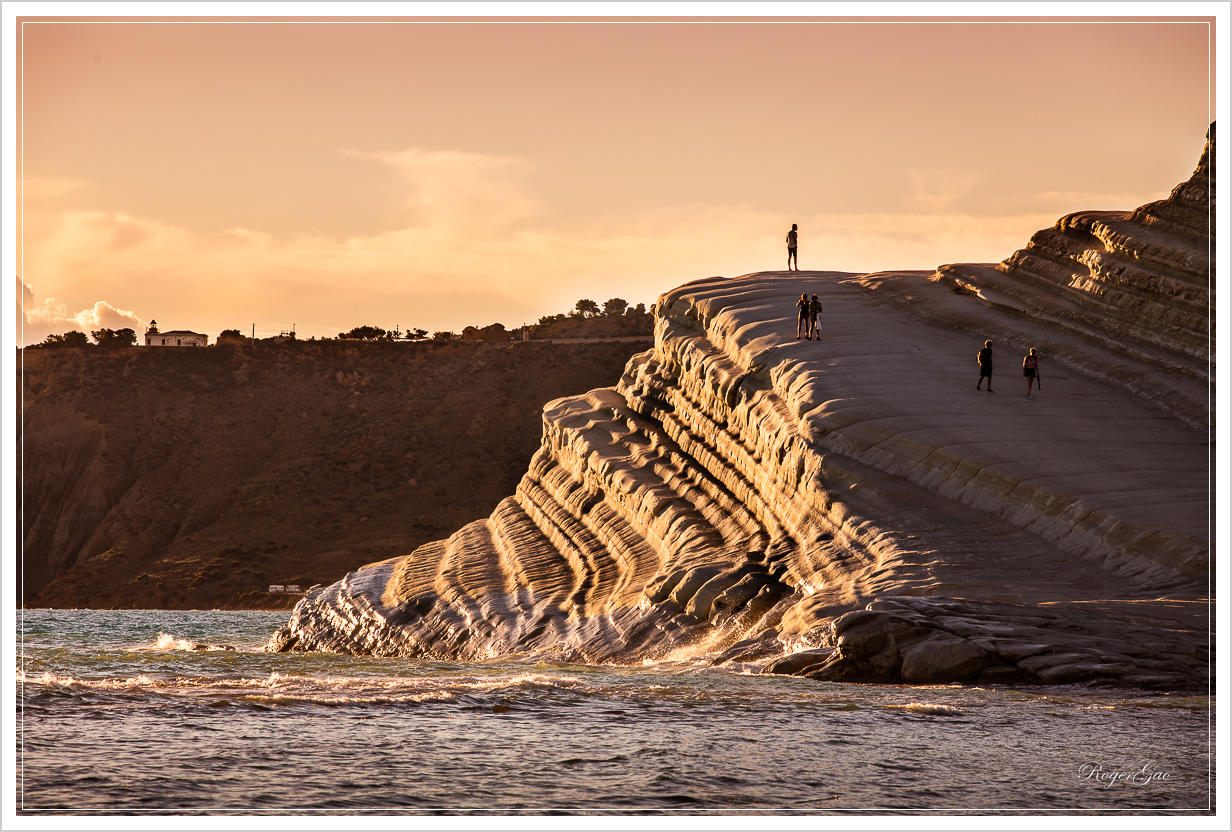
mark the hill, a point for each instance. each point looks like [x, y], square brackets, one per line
[196, 478]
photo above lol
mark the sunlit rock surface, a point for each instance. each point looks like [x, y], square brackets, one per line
[852, 508]
[1141, 277]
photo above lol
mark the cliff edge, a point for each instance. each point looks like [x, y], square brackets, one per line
[853, 508]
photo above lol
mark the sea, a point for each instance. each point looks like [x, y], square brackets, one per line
[132, 712]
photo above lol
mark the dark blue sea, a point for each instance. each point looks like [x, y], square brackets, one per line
[132, 712]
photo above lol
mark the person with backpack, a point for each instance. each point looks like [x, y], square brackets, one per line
[814, 310]
[1030, 369]
[984, 358]
[802, 325]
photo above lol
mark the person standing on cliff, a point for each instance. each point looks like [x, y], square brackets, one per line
[984, 357]
[792, 238]
[1030, 369]
[802, 323]
[814, 311]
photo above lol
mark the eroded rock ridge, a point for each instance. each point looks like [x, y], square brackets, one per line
[849, 508]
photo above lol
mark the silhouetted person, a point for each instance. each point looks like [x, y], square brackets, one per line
[802, 325]
[1030, 369]
[814, 309]
[985, 361]
[792, 238]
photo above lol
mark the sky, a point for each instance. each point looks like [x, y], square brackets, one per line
[319, 175]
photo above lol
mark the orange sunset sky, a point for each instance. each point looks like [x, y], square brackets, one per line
[330, 174]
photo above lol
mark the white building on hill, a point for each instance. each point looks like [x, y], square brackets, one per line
[174, 338]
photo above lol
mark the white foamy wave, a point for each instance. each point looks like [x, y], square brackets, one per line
[280, 688]
[929, 708]
[167, 641]
[525, 680]
[437, 684]
[50, 679]
[275, 679]
[310, 698]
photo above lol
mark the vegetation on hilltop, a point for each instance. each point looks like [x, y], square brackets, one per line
[587, 319]
[627, 320]
[106, 338]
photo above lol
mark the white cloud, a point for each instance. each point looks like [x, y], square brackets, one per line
[463, 193]
[52, 316]
[941, 189]
[466, 255]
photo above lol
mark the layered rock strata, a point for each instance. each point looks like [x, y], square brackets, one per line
[848, 508]
[1143, 277]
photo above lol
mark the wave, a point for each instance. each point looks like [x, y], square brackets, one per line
[54, 679]
[166, 641]
[286, 688]
[929, 708]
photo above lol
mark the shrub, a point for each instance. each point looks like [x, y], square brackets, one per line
[363, 333]
[114, 338]
[73, 338]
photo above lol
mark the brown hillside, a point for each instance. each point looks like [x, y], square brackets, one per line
[197, 478]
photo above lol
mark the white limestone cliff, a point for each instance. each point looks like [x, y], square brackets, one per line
[742, 494]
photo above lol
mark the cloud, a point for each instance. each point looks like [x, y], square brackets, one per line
[100, 232]
[52, 316]
[441, 278]
[467, 254]
[935, 190]
[459, 192]
[48, 187]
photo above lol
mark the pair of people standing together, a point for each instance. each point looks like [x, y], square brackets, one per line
[1030, 368]
[809, 309]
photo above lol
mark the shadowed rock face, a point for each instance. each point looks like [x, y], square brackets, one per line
[197, 478]
[848, 508]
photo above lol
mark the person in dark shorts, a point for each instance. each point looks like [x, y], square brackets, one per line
[1030, 369]
[814, 310]
[802, 325]
[985, 361]
[792, 238]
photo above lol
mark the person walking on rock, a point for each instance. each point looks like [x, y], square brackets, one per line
[792, 238]
[1030, 369]
[814, 310]
[985, 361]
[802, 325]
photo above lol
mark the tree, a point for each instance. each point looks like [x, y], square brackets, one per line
[233, 332]
[73, 338]
[114, 338]
[363, 333]
[443, 336]
[495, 332]
[640, 309]
[615, 307]
[586, 308]
[417, 334]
